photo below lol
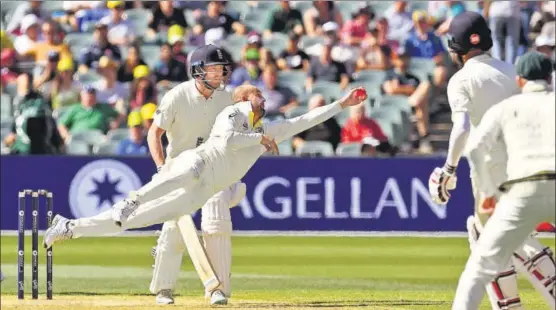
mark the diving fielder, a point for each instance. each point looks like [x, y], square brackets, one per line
[525, 123]
[481, 83]
[186, 114]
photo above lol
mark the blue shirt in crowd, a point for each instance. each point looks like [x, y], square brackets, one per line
[428, 48]
[128, 147]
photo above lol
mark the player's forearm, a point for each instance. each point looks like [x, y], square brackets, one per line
[458, 139]
[154, 140]
[303, 122]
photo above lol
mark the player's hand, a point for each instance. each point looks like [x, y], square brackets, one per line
[440, 183]
[270, 145]
[354, 97]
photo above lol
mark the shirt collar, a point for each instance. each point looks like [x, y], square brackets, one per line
[194, 92]
[479, 58]
[246, 107]
[535, 86]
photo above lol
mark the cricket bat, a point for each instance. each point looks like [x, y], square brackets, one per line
[197, 253]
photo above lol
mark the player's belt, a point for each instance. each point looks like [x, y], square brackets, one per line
[541, 176]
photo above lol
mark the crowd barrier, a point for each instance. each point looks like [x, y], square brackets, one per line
[283, 194]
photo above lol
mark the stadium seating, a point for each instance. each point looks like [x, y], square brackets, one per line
[106, 148]
[117, 134]
[330, 90]
[151, 54]
[297, 111]
[276, 44]
[90, 137]
[6, 110]
[349, 149]
[78, 148]
[140, 19]
[321, 148]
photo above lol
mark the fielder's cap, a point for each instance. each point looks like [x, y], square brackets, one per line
[148, 110]
[65, 64]
[534, 66]
[330, 27]
[141, 71]
[134, 119]
[28, 21]
[114, 4]
[175, 34]
[544, 40]
[469, 30]
[208, 55]
[90, 89]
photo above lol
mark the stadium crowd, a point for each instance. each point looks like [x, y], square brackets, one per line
[85, 77]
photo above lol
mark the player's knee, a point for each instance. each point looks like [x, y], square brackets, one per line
[170, 238]
[216, 227]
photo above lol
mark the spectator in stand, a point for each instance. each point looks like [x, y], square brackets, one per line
[30, 26]
[293, 58]
[25, 8]
[505, 21]
[329, 131]
[168, 70]
[371, 147]
[101, 47]
[382, 28]
[65, 90]
[249, 72]
[285, 19]
[359, 127]
[423, 43]
[254, 41]
[355, 30]
[176, 39]
[39, 52]
[373, 55]
[136, 144]
[120, 31]
[399, 21]
[134, 59]
[323, 68]
[9, 72]
[163, 17]
[401, 82]
[34, 131]
[442, 12]
[108, 89]
[215, 17]
[43, 76]
[143, 89]
[547, 45]
[340, 52]
[79, 15]
[279, 99]
[321, 13]
[88, 115]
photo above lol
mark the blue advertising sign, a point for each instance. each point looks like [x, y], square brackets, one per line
[283, 194]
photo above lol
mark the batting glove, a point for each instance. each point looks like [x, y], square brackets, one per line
[441, 181]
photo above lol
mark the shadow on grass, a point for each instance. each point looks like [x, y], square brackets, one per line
[337, 304]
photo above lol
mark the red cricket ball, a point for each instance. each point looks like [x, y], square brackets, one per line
[361, 93]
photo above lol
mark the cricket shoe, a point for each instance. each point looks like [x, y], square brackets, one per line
[122, 210]
[58, 231]
[218, 298]
[165, 297]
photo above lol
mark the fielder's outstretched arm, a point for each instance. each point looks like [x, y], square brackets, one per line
[480, 144]
[285, 129]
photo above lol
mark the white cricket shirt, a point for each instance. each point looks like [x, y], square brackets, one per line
[188, 117]
[525, 123]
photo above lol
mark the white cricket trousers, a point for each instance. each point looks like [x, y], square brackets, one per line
[516, 215]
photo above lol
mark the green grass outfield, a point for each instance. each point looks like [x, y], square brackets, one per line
[268, 272]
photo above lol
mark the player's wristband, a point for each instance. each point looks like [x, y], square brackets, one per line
[449, 169]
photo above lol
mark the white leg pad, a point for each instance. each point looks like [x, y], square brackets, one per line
[101, 224]
[503, 290]
[216, 225]
[169, 253]
[536, 262]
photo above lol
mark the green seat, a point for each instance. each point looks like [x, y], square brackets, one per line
[6, 110]
[342, 117]
[90, 137]
[306, 41]
[106, 148]
[78, 148]
[117, 134]
[295, 112]
[294, 80]
[321, 148]
[276, 44]
[234, 44]
[421, 67]
[397, 101]
[151, 54]
[89, 77]
[4, 132]
[349, 149]
[375, 76]
[140, 19]
[79, 39]
[392, 123]
[240, 7]
[330, 90]
[257, 20]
